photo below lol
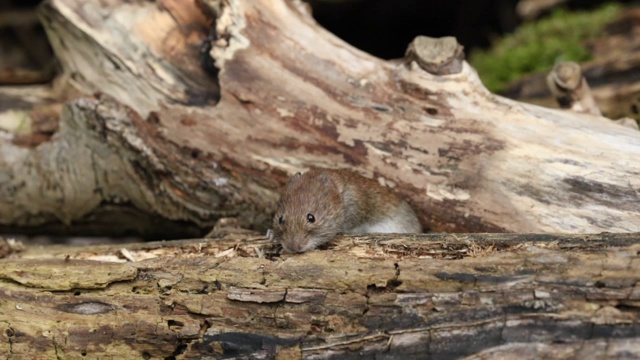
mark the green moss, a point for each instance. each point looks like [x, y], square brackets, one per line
[537, 46]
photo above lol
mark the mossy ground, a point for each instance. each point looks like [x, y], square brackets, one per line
[537, 46]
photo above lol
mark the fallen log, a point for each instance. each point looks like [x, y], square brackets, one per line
[415, 296]
[190, 134]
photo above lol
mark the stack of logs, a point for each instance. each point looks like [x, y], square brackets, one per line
[178, 113]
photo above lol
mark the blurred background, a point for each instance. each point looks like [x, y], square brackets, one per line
[511, 43]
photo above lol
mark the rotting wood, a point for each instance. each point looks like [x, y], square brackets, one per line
[169, 139]
[436, 295]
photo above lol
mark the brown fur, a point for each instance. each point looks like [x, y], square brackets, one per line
[341, 201]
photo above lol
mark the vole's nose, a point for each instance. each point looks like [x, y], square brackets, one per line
[291, 247]
[295, 247]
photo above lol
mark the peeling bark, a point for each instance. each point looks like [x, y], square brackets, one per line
[169, 138]
[436, 296]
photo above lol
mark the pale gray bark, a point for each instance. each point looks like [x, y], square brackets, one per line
[293, 96]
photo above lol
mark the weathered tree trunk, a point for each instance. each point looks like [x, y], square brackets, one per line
[169, 140]
[410, 297]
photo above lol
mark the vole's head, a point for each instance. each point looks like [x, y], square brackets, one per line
[310, 212]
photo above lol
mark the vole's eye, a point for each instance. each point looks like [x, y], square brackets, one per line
[311, 218]
[281, 220]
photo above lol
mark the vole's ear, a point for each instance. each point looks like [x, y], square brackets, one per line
[325, 179]
[294, 178]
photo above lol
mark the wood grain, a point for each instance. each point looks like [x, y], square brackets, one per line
[436, 296]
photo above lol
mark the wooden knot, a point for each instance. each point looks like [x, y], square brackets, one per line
[566, 76]
[570, 88]
[438, 56]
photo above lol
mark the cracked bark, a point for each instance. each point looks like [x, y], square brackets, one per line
[181, 137]
[442, 296]
[167, 139]
[8, 332]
